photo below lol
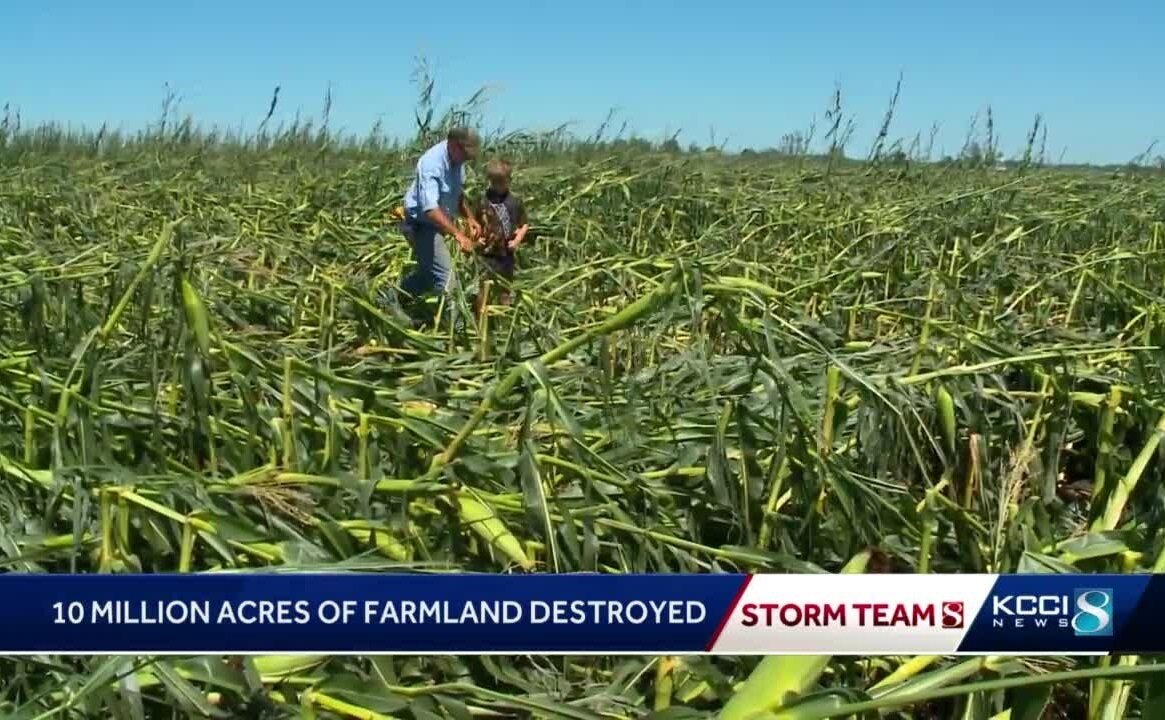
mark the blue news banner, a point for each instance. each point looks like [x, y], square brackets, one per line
[360, 613]
[579, 614]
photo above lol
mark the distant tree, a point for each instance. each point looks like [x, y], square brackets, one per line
[671, 146]
[794, 143]
[634, 144]
[973, 154]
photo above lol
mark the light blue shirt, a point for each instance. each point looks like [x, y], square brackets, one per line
[438, 183]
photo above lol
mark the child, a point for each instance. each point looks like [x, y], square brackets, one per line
[504, 225]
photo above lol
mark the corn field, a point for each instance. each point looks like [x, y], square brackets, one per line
[712, 364]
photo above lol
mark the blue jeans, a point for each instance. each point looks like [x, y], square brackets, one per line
[434, 266]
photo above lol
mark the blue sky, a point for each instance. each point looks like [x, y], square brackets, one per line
[749, 71]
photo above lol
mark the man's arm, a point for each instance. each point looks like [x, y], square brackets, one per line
[430, 194]
[438, 217]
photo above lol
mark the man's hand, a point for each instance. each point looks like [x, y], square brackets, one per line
[464, 242]
[474, 228]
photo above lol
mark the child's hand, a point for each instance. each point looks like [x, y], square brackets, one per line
[519, 236]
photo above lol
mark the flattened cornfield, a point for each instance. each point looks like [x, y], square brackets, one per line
[713, 364]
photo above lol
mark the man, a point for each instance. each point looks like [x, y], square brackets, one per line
[431, 204]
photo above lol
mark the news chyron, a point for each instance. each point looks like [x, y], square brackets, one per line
[769, 614]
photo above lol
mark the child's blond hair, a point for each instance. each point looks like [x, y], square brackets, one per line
[498, 170]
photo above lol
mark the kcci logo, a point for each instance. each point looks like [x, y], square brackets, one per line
[1089, 614]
